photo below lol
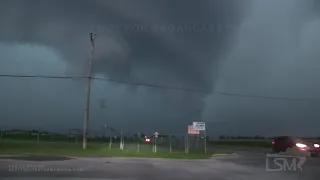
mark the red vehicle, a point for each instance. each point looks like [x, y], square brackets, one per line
[282, 143]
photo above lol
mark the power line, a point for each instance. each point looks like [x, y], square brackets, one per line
[154, 85]
[163, 87]
[42, 76]
[105, 79]
[267, 97]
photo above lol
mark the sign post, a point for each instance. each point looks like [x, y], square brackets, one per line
[110, 140]
[138, 148]
[197, 141]
[121, 140]
[170, 143]
[205, 142]
[155, 142]
[201, 126]
[38, 137]
[187, 144]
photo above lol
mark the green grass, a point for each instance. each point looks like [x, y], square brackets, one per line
[97, 149]
[262, 143]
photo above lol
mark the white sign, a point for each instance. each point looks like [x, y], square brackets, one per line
[156, 134]
[199, 126]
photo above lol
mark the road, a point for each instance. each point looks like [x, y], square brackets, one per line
[256, 157]
[245, 165]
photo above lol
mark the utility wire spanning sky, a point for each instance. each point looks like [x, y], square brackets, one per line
[157, 62]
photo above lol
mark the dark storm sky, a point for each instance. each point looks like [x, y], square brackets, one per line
[265, 48]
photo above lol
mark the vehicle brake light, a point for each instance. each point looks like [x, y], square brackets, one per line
[301, 145]
[273, 142]
[316, 145]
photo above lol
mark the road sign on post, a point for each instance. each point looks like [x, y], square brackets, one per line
[199, 126]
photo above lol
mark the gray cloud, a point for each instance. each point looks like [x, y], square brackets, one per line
[52, 38]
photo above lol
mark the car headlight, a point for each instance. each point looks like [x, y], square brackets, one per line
[301, 145]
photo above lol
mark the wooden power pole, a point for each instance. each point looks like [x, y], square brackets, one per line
[87, 108]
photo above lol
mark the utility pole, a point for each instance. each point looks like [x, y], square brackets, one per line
[87, 108]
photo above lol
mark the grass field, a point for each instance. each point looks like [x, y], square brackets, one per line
[97, 149]
[244, 142]
[261, 143]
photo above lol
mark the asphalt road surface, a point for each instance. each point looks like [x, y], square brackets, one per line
[246, 165]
